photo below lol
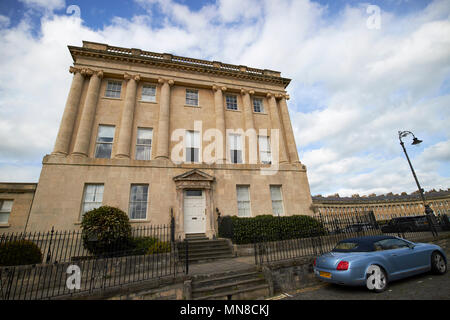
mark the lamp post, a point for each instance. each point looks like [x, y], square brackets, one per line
[428, 210]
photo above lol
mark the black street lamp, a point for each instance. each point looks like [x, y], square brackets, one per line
[402, 134]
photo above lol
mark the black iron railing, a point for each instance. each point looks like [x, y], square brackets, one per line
[287, 241]
[68, 268]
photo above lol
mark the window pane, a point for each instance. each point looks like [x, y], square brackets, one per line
[242, 193]
[194, 193]
[138, 201]
[113, 89]
[264, 149]
[243, 201]
[192, 97]
[93, 197]
[231, 102]
[6, 205]
[193, 139]
[277, 200]
[235, 142]
[144, 136]
[143, 152]
[258, 105]
[275, 192]
[105, 133]
[4, 217]
[103, 150]
[149, 93]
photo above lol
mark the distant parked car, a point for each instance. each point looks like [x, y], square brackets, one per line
[376, 260]
[358, 227]
[406, 224]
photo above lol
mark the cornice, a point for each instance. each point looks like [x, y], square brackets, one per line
[168, 61]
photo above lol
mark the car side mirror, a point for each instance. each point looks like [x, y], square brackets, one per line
[411, 246]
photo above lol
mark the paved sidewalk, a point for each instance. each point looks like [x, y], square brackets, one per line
[222, 266]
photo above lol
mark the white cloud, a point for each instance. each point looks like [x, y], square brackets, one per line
[368, 83]
[45, 4]
[4, 21]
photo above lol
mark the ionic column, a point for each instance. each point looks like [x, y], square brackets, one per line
[70, 113]
[248, 113]
[126, 123]
[162, 150]
[81, 147]
[290, 139]
[276, 124]
[220, 120]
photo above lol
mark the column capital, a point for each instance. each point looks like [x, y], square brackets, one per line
[99, 73]
[278, 95]
[135, 77]
[269, 95]
[244, 92]
[169, 81]
[75, 70]
[87, 72]
[251, 92]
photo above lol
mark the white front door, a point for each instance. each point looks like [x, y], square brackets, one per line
[194, 211]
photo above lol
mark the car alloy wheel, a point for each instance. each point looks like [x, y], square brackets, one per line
[438, 264]
[376, 279]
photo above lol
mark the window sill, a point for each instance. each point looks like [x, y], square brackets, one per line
[5, 225]
[111, 98]
[233, 110]
[144, 101]
[139, 221]
[191, 106]
[262, 113]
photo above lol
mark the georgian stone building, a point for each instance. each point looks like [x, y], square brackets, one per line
[158, 134]
[384, 206]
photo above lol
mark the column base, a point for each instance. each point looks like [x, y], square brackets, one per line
[78, 155]
[59, 154]
[122, 156]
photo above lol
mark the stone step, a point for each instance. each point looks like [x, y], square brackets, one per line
[204, 248]
[203, 242]
[196, 236]
[206, 258]
[211, 251]
[228, 286]
[248, 293]
[217, 280]
[247, 284]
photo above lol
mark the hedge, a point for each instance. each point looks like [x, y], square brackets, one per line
[20, 252]
[106, 230]
[269, 228]
[149, 245]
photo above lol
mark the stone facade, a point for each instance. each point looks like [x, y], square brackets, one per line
[20, 196]
[384, 206]
[74, 164]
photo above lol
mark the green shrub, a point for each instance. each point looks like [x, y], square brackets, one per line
[269, 228]
[19, 252]
[106, 230]
[149, 245]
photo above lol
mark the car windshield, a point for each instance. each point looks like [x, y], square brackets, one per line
[352, 246]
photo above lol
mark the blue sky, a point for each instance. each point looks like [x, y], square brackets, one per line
[353, 86]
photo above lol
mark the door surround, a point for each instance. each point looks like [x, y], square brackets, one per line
[194, 179]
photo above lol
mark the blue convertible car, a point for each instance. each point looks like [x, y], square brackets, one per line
[375, 260]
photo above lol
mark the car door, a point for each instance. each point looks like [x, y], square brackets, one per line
[400, 255]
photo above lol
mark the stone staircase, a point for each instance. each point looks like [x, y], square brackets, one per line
[242, 285]
[202, 249]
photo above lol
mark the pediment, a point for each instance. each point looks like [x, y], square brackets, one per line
[194, 175]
